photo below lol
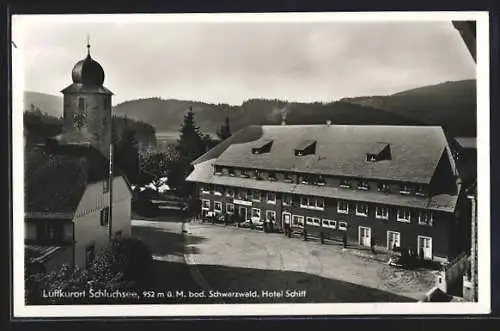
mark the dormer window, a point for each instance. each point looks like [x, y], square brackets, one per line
[420, 190]
[306, 147]
[363, 185]
[384, 187]
[320, 180]
[231, 172]
[379, 151]
[262, 147]
[271, 176]
[218, 170]
[288, 178]
[405, 189]
[305, 179]
[345, 183]
[244, 173]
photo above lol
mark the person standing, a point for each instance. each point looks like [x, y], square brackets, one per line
[287, 226]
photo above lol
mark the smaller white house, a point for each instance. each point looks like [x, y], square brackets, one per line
[68, 214]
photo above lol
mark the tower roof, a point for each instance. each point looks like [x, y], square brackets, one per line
[88, 72]
[88, 77]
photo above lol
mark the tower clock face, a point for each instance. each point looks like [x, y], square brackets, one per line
[80, 118]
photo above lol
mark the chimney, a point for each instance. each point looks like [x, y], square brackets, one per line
[328, 122]
[283, 115]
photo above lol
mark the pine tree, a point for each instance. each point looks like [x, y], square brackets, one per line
[224, 131]
[190, 144]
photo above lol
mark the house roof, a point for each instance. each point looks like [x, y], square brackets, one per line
[203, 173]
[56, 177]
[466, 142]
[340, 150]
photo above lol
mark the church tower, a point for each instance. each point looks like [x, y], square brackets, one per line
[87, 106]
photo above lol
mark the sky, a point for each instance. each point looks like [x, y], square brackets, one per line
[231, 61]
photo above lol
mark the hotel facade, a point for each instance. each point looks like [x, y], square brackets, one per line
[381, 186]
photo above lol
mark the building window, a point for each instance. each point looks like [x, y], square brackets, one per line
[343, 226]
[312, 203]
[205, 190]
[298, 221]
[287, 200]
[50, 231]
[230, 192]
[316, 222]
[229, 208]
[309, 221]
[342, 207]
[218, 207]
[425, 218]
[320, 203]
[330, 224]
[393, 240]
[244, 173]
[405, 189]
[288, 178]
[320, 180]
[404, 215]
[218, 170]
[383, 187]
[271, 176]
[363, 185]
[361, 209]
[256, 195]
[257, 174]
[271, 197]
[382, 213]
[105, 185]
[271, 215]
[345, 183]
[304, 179]
[255, 213]
[89, 255]
[104, 216]
[205, 204]
[420, 190]
[217, 190]
[231, 172]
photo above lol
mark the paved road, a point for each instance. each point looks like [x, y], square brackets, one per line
[165, 239]
[237, 259]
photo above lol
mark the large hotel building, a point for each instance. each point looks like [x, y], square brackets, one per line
[385, 186]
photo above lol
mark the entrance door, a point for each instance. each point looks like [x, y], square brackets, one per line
[287, 218]
[243, 213]
[364, 236]
[425, 247]
[393, 239]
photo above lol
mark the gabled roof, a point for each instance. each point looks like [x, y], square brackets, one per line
[340, 150]
[56, 177]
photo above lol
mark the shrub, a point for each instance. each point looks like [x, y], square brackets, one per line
[65, 279]
[122, 263]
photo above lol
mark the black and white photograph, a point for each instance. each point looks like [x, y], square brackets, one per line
[251, 164]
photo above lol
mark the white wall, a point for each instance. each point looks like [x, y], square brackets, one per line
[88, 229]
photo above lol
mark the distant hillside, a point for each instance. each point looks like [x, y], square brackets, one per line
[167, 115]
[450, 104]
[50, 104]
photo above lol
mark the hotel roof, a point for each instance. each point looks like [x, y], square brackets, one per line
[340, 150]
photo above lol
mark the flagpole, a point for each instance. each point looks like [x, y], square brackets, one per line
[110, 179]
